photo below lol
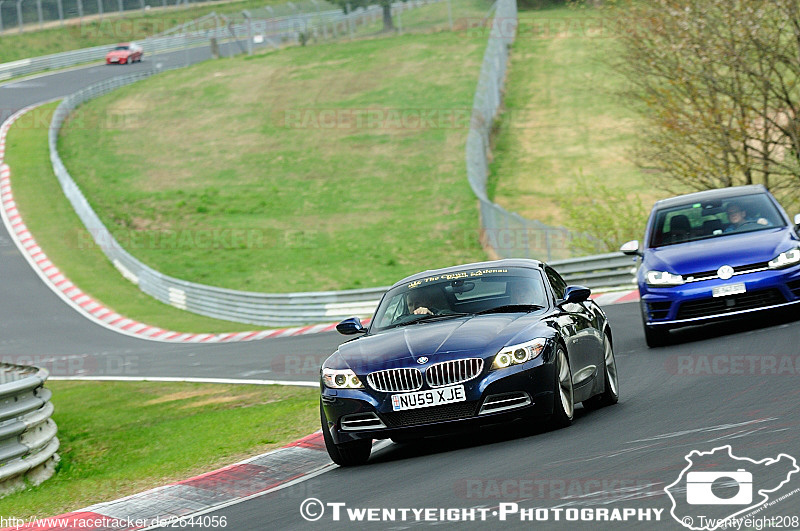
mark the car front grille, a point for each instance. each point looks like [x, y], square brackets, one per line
[453, 372]
[395, 380]
[738, 270]
[734, 303]
[428, 415]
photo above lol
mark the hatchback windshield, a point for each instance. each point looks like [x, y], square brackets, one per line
[712, 219]
[461, 293]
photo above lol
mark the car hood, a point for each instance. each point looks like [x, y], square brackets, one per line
[733, 250]
[480, 335]
[119, 53]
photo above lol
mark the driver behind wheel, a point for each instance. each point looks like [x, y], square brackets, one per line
[737, 216]
[427, 300]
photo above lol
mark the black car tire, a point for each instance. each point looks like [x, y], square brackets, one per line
[346, 454]
[610, 395]
[563, 392]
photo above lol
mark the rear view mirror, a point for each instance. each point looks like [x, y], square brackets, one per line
[460, 286]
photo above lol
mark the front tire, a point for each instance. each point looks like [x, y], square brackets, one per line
[353, 453]
[563, 399]
[610, 394]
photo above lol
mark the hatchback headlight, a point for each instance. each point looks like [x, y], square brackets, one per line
[516, 354]
[341, 379]
[790, 257]
[663, 279]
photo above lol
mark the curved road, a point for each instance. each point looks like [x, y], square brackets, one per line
[731, 384]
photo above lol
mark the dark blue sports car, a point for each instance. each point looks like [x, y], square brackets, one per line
[714, 255]
[464, 346]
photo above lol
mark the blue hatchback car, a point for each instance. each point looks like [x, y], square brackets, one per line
[714, 255]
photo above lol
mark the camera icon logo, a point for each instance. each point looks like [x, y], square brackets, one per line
[701, 486]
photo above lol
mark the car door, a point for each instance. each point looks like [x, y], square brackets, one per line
[578, 328]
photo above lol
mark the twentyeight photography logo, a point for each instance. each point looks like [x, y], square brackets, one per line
[718, 489]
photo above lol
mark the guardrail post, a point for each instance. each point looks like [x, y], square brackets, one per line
[100, 8]
[39, 12]
[19, 14]
[1, 15]
[60, 13]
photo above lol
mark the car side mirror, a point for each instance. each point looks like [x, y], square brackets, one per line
[797, 221]
[631, 248]
[575, 294]
[350, 326]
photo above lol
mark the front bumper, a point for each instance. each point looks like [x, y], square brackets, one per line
[535, 378]
[694, 303]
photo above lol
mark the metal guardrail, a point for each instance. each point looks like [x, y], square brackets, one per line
[262, 309]
[612, 270]
[28, 442]
[289, 309]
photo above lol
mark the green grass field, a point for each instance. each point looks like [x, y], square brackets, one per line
[317, 157]
[564, 122]
[113, 28]
[136, 436]
[60, 233]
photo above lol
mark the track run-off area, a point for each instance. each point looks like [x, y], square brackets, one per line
[730, 384]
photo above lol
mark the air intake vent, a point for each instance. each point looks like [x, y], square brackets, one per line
[361, 421]
[503, 402]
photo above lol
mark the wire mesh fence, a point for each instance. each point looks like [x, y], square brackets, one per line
[505, 234]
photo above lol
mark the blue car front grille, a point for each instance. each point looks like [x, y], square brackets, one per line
[722, 305]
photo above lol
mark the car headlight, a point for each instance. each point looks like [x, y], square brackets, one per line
[341, 379]
[662, 278]
[790, 257]
[516, 354]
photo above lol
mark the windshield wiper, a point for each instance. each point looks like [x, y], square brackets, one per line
[424, 318]
[436, 316]
[512, 308]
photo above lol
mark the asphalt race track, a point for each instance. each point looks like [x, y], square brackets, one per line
[733, 384]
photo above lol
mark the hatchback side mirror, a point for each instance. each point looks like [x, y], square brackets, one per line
[631, 248]
[350, 326]
[797, 221]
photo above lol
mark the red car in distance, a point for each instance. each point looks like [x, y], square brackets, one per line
[124, 53]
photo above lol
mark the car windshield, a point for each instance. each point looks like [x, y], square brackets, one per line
[121, 48]
[450, 295]
[714, 219]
